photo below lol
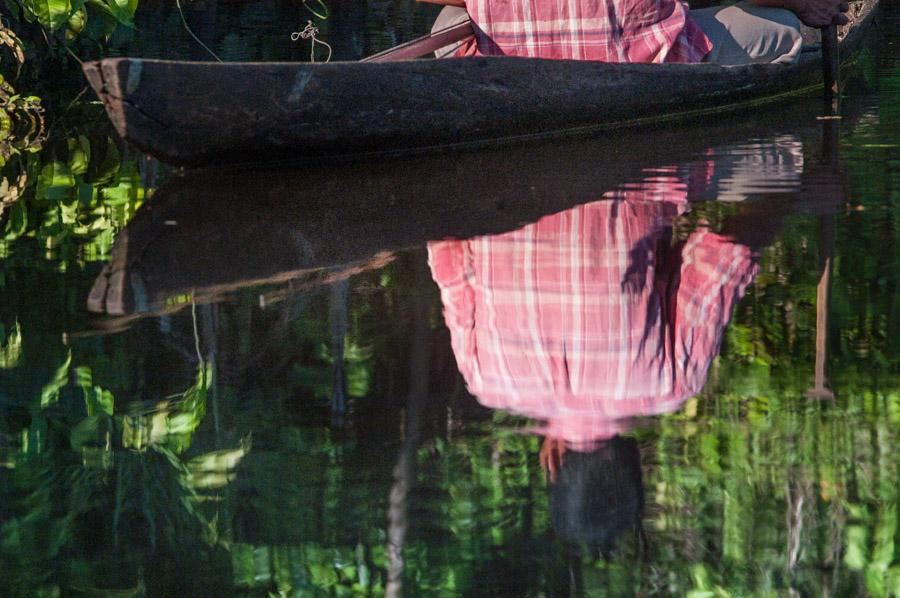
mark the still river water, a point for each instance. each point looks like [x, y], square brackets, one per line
[662, 364]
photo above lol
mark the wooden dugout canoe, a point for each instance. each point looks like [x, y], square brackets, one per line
[196, 113]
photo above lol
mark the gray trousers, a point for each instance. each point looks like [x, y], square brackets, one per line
[742, 33]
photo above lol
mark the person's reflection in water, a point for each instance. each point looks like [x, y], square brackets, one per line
[588, 318]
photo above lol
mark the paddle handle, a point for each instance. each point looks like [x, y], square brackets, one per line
[426, 44]
[831, 63]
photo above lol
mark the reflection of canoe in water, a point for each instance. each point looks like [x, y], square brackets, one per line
[208, 233]
[200, 113]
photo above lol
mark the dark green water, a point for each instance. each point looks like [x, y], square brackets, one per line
[242, 382]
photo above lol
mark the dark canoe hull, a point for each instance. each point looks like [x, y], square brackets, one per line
[196, 113]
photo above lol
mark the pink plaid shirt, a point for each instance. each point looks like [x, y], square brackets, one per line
[590, 316]
[608, 30]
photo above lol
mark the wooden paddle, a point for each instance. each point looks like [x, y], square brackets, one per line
[426, 44]
[831, 63]
[830, 159]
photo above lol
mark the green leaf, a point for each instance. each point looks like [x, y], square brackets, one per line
[77, 21]
[123, 10]
[875, 583]
[50, 391]
[702, 584]
[102, 24]
[98, 400]
[893, 581]
[104, 162]
[323, 576]
[857, 547]
[118, 195]
[11, 350]
[105, 400]
[6, 123]
[84, 378]
[79, 154]
[55, 182]
[52, 14]
[17, 222]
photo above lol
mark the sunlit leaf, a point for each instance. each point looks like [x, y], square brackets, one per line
[856, 556]
[50, 391]
[6, 124]
[215, 469]
[55, 182]
[118, 195]
[52, 14]
[17, 222]
[79, 154]
[76, 23]
[123, 10]
[11, 348]
[99, 400]
[893, 581]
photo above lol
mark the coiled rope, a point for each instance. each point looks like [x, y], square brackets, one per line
[310, 32]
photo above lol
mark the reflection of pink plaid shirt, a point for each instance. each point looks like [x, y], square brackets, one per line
[590, 316]
[608, 30]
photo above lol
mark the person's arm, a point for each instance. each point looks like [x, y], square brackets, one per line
[815, 13]
[460, 3]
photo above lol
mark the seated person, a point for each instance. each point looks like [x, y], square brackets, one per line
[751, 31]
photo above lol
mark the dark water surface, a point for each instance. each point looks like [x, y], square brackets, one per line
[662, 363]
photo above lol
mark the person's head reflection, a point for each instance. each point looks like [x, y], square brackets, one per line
[596, 496]
[584, 320]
